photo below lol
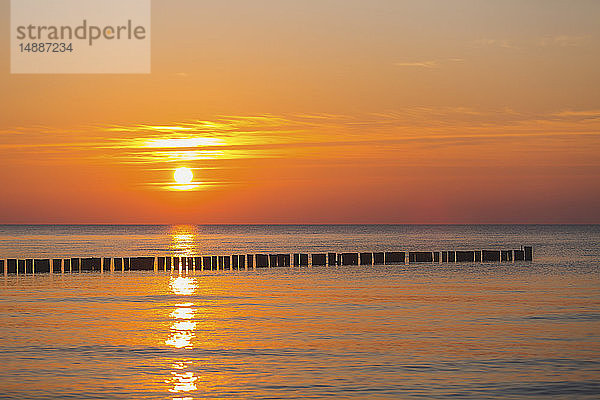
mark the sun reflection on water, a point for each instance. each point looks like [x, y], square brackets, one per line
[182, 333]
[182, 380]
[183, 240]
[183, 285]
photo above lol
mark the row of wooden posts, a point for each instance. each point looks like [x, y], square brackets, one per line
[245, 261]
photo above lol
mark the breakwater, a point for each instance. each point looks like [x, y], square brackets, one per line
[252, 261]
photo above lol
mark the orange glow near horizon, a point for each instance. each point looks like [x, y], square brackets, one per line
[384, 112]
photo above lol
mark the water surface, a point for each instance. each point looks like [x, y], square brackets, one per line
[512, 330]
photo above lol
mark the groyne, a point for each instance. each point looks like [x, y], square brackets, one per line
[262, 260]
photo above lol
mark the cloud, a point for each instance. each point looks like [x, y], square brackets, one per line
[578, 114]
[503, 43]
[420, 64]
[562, 41]
[429, 64]
[292, 136]
[546, 41]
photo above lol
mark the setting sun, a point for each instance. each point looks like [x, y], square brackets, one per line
[183, 175]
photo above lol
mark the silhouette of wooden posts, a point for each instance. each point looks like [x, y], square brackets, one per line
[303, 260]
[349, 258]
[319, 259]
[420, 256]
[528, 253]
[41, 266]
[394, 257]
[366, 258]
[451, 256]
[284, 260]
[465, 256]
[85, 264]
[141, 263]
[490, 255]
[206, 263]
[273, 260]
[332, 259]
[245, 261]
[262, 261]
[11, 266]
[91, 264]
[519, 255]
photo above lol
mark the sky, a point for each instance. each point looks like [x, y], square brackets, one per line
[319, 112]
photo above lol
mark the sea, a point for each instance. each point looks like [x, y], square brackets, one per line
[510, 330]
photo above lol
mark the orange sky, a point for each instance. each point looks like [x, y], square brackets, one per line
[319, 112]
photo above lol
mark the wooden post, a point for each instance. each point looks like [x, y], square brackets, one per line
[11, 266]
[118, 264]
[366, 258]
[528, 253]
[332, 259]
[319, 260]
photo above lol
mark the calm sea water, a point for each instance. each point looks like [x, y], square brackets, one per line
[511, 330]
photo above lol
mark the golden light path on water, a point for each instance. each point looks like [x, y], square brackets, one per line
[182, 332]
[183, 240]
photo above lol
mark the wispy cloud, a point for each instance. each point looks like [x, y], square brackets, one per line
[546, 41]
[420, 64]
[563, 41]
[502, 43]
[221, 141]
[429, 64]
[579, 114]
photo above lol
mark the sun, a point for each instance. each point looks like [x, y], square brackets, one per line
[183, 175]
